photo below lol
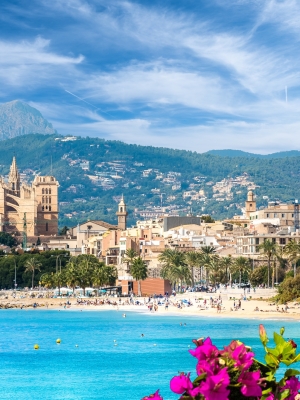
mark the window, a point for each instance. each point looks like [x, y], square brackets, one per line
[250, 205]
[273, 240]
[146, 250]
[275, 215]
[43, 199]
[50, 199]
[43, 208]
[43, 191]
[46, 191]
[121, 209]
[49, 208]
[282, 215]
[256, 240]
[292, 215]
[46, 226]
[282, 240]
[49, 191]
[268, 215]
[47, 199]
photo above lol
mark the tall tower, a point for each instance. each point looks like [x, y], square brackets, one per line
[250, 205]
[14, 178]
[122, 214]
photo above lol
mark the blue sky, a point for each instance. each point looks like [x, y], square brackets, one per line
[188, 74]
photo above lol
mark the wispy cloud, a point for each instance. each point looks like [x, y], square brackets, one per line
[161, 74]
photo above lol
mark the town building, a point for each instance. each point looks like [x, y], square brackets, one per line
[28, 209]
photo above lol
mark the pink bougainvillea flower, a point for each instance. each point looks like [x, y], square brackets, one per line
[228, 350]
[271, 397]
[154, 396]
[243, 358]
[207, 351]
[215, 386]
[293, 385]
[210, 368]
[250, 386]
[180, 384]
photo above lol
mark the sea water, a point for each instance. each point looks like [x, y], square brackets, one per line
[102, 355]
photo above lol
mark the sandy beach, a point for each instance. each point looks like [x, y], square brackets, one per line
[187, 304]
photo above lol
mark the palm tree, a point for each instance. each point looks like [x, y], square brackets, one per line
[292, 250]
[86, 264]
[129, 256]
[139, 271]
[47, 280]
[192, 260]
[242, 265]
[102, 274]
[215, 271]
[227, 264]
[269, 249]
[31, 265]
[208, 250]
[72, 273]
[206, 255]
[172, 261]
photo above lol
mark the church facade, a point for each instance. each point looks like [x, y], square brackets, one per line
[32, 209]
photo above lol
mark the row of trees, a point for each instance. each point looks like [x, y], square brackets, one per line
[83, 271]
[180, 267]
[202, 266]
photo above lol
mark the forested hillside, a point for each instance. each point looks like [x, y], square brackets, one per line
[94, 173]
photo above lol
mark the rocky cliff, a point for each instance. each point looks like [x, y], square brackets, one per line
[18, 118]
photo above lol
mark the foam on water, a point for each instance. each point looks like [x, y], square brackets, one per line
[100, 369]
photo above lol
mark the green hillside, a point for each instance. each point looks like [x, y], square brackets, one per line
[146, 176]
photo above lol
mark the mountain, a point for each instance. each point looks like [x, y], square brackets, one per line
[18, 118]
[93, 174]
[240, 153]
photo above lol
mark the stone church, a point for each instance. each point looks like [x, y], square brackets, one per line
[32, 209]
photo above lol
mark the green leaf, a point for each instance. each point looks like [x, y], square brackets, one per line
[283, 395]
[278, 339]
[291, 372]
[271, 360]
[200, 378]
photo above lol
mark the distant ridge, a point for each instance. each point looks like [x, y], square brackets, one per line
[239, 153]
[18, 118]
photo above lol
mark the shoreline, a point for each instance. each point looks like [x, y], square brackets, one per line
[246, 312]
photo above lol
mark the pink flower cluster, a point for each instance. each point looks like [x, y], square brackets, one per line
[214, 366]
[234, 373]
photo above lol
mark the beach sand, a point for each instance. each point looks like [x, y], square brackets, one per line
[266, 309]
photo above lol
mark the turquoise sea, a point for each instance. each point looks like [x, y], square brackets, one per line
[97, 369]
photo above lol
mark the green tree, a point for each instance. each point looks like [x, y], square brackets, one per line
[192, 260]
[63, 231]
[129, 256]
[139, 271]
[227, 266]
[292, 251]
[31, 265]
[174, 267]
[289, 289]
[7, 240]
[269, 249]
[242, 266]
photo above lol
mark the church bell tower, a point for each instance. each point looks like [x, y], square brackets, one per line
[122, 214]
[14, 178]
[250, 205]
